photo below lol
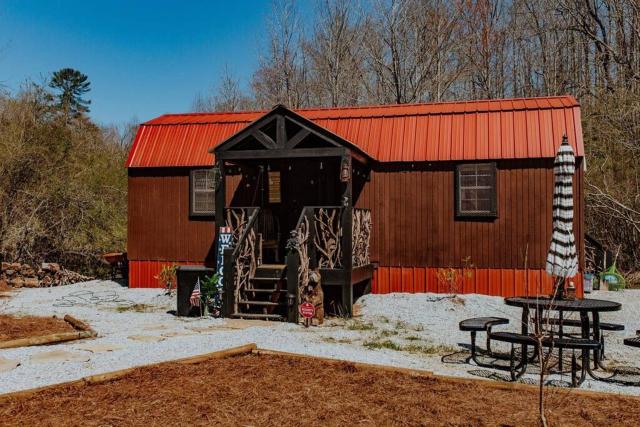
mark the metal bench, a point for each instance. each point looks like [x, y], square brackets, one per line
[577, 324]
[481, 324]
[570, 343]
[632, 342]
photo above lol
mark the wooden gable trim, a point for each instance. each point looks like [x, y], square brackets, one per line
[283, 142]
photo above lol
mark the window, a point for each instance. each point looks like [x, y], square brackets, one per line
[476, 190]
[202, 194]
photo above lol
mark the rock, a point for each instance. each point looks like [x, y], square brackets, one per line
[47, 281]
[15, 266]
[31, 282]
[9, 272]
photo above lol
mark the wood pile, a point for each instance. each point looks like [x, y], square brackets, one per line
[18, 275]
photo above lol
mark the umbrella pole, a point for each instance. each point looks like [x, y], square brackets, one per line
[558, 292]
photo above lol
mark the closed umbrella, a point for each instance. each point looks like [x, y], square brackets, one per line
[562, 259]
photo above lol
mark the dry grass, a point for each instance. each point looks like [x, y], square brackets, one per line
[14, 327]
[262, 390]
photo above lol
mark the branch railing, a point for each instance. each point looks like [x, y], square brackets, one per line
[361, 237]
[243, 257]
[319, 241]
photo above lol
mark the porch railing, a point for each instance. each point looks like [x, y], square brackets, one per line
[320, 241]
[242, 259]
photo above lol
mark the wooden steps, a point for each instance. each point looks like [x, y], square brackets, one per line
[257, 316]
[266, 299]
[265, 303]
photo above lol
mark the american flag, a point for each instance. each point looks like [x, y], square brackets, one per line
[195, 295]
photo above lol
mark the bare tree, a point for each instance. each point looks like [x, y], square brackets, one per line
[282, 74]
[335, 59]
[226, 96]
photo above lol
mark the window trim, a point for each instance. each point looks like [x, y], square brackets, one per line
[192, 212]
[494, 199]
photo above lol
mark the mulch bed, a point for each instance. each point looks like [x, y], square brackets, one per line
[261, 390]
[14, 327]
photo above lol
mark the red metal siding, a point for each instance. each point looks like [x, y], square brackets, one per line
[497, 282]
[142, 274]
[475, 130]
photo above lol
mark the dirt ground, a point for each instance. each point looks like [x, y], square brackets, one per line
[14, 327]
[268, 390]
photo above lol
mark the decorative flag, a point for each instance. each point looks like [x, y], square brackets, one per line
[562, 259]
[195, 295]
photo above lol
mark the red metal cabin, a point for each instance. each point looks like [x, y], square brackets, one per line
[460, 185]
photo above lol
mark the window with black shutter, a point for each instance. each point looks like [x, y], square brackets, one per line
[476, 193]
[202, 193]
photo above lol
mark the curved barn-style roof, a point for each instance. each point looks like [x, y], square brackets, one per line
[449, 131]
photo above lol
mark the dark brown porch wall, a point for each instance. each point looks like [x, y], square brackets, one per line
[414, 223]
[159, 226]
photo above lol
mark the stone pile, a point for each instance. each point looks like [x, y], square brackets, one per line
[18, 275]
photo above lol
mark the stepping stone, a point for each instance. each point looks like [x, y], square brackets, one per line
[236, 324]
[100, 348]
[146, 338]
[59, 356]
[156, 327]
[7, 365]
[176, 334]
[204, 329]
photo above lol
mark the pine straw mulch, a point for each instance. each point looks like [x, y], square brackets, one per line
[14, 327]
[261, 390]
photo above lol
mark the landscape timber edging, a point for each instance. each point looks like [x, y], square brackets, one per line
[114, 375]
[83, 331]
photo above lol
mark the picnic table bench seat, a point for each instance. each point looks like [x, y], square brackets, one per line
[632, 342]
[604, 326]
[481, 324]
[569, 343]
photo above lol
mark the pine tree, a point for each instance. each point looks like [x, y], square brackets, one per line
[71, 86]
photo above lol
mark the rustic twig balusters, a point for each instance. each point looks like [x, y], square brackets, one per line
[328, 235]
[361, 229]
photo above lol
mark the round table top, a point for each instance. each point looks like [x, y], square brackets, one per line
[547, 303]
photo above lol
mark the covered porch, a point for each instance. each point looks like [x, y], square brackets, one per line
[292, 214]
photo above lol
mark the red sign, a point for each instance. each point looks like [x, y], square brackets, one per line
[307, 310]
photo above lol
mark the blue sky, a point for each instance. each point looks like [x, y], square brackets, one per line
[143, 58]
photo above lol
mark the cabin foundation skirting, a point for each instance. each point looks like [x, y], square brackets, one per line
[504, 282]
[488, 281]
[142, 274]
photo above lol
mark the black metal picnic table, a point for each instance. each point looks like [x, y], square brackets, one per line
[582, 306]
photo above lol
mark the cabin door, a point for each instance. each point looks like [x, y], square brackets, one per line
[293, 184]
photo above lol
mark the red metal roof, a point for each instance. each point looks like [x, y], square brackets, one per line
[472, 130]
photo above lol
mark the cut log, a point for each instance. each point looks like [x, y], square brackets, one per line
[78, 324]
[46, 339]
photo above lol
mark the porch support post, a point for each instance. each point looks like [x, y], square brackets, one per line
[347, 238]
[220, 197]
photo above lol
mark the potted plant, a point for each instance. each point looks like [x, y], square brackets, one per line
[167, 277]
[211, 295]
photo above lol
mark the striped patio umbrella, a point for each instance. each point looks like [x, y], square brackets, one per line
[562, 259]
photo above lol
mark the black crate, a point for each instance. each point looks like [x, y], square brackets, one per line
[187, 276]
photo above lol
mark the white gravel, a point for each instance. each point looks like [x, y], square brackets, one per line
[413, 324]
